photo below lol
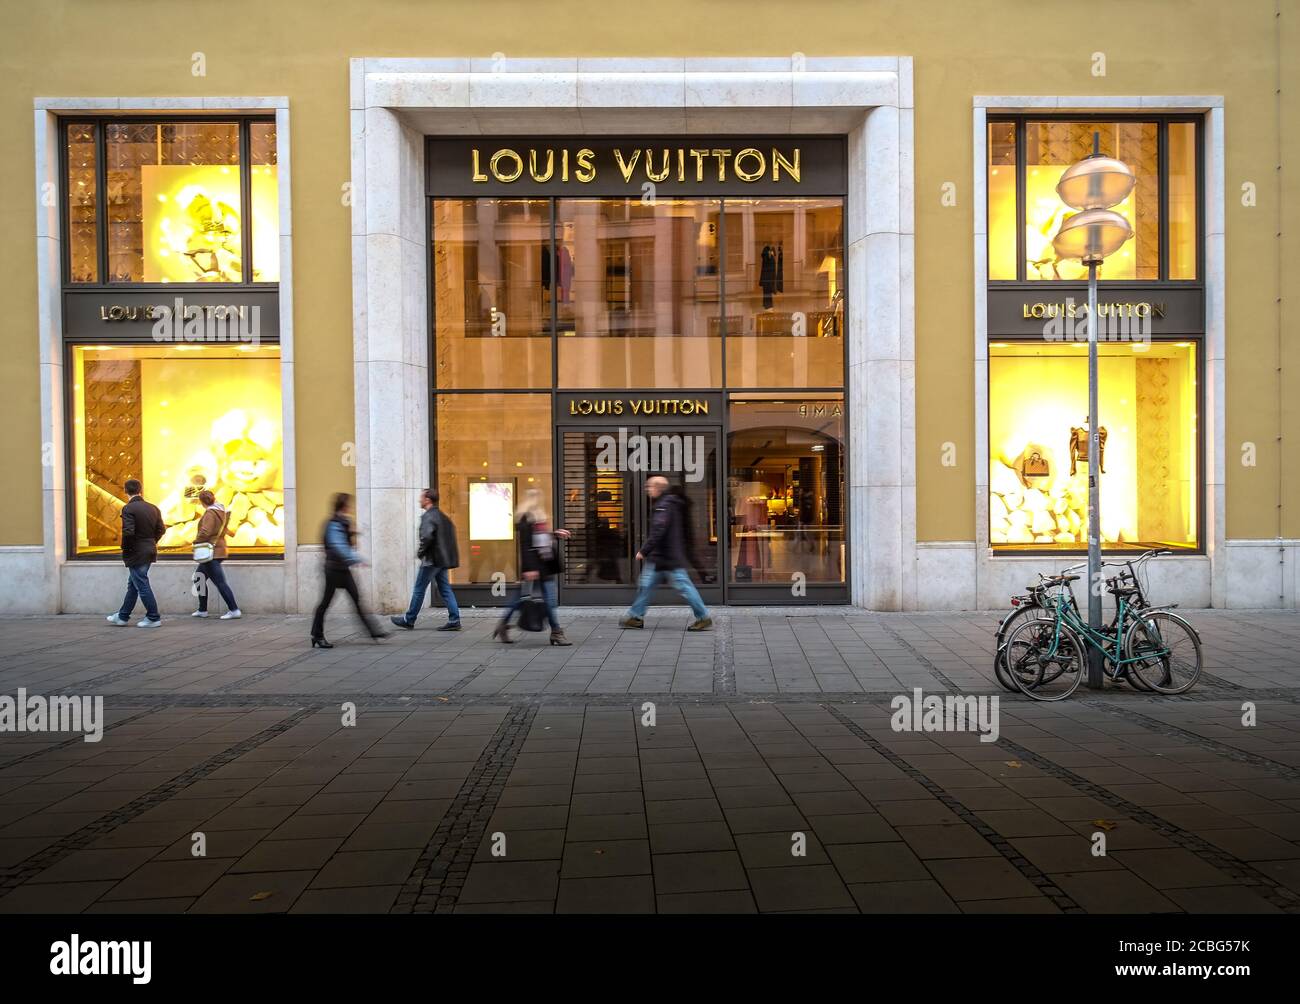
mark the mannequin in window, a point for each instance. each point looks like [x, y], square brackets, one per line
[1079, 447]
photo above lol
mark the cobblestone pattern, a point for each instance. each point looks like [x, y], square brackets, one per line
[440, 872]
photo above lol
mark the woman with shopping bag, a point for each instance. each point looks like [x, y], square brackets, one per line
[209, 552]
[539, 564]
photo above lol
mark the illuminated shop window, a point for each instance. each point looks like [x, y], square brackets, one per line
[785, 487]
[181, 419]
[83, 223]
[1002, 200]
[491, 448]
[173, 199]
[1038, 453]
[1026, 158]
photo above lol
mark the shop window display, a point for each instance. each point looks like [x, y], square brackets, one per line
[786, 488]
[1038, 446]
[182, 419]
[174, 203]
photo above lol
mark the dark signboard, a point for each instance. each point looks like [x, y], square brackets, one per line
[166, 315]
[1059, 311]
[629, 407]
[684, 166]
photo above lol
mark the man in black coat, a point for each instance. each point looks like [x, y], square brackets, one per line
[438, 554]
[665, 553]
[142, 528]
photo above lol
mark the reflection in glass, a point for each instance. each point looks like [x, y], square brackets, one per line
[1002, 200]
[786, 489]
[173, 202]
[636, 290]
[83, 226]
[785, 292]
[500, 443]
[181, 419]
[1182, 200]
[1038, 448]
[1051, 147]
[492, 287]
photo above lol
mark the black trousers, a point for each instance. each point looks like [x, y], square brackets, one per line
[336, 579]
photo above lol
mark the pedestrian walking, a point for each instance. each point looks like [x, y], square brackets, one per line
[142, 528]
[209, 552]
[664, 553]
[539, 564]
[438, 554]
[340, 558]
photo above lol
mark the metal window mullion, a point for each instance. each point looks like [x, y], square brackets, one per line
[246, 205]
[101, 203]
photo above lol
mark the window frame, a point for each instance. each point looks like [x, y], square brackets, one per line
[1162, 123]
[98, 122]
[1113, 551]
[734, 594]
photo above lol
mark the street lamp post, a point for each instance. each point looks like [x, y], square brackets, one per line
[1093, 186]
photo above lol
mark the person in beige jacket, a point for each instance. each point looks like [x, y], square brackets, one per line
[212, 530]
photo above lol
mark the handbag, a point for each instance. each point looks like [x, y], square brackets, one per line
[532, 611]
[1035, 466]
[203, 553]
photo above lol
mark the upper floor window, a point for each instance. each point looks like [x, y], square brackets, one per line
[171, 201]
[1026, 158]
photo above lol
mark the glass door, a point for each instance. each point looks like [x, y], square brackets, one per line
[604, 506]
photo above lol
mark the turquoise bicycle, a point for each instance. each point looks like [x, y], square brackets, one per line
[1149, 647]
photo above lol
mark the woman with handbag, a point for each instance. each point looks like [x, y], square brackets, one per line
[210, 551]
[539, 563]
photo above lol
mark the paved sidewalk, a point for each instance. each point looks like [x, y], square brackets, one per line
[480, 777]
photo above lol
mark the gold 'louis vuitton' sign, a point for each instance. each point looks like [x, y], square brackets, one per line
[638, 406]
[748, 164]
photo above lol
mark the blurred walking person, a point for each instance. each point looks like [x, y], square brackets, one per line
[211, 540]
[665, 553]
[340, 558]
[142, 528]
[438, 554]
[539, 562]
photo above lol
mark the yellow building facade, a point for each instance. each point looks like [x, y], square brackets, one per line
[800, 255]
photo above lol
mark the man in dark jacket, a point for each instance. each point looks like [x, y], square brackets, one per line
[665, 553]
[438, 554]
[142, 528]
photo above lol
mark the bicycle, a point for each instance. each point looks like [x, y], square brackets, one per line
[1034, 603]
[1149, 647]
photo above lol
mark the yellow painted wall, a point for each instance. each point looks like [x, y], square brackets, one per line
[300, 48]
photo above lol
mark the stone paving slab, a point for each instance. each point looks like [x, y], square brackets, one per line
[486, 778]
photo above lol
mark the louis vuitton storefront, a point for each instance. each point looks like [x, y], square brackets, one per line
[604, 309]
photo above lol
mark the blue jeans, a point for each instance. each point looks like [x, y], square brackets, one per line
[137, 587]
[550, 593]
[681, 581]
[437, 575]
[216, 576]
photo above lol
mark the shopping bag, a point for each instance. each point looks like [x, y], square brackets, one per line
[532, 611]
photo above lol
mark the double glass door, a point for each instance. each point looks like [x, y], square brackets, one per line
[604, 506]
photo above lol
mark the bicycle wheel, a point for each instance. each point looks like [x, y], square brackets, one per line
[1004, 632]
[1166, 652]
[1045, 667]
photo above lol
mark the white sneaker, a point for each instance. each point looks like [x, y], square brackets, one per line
[232, 615]
[147, 623]
[116, 621]
[199, 613]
